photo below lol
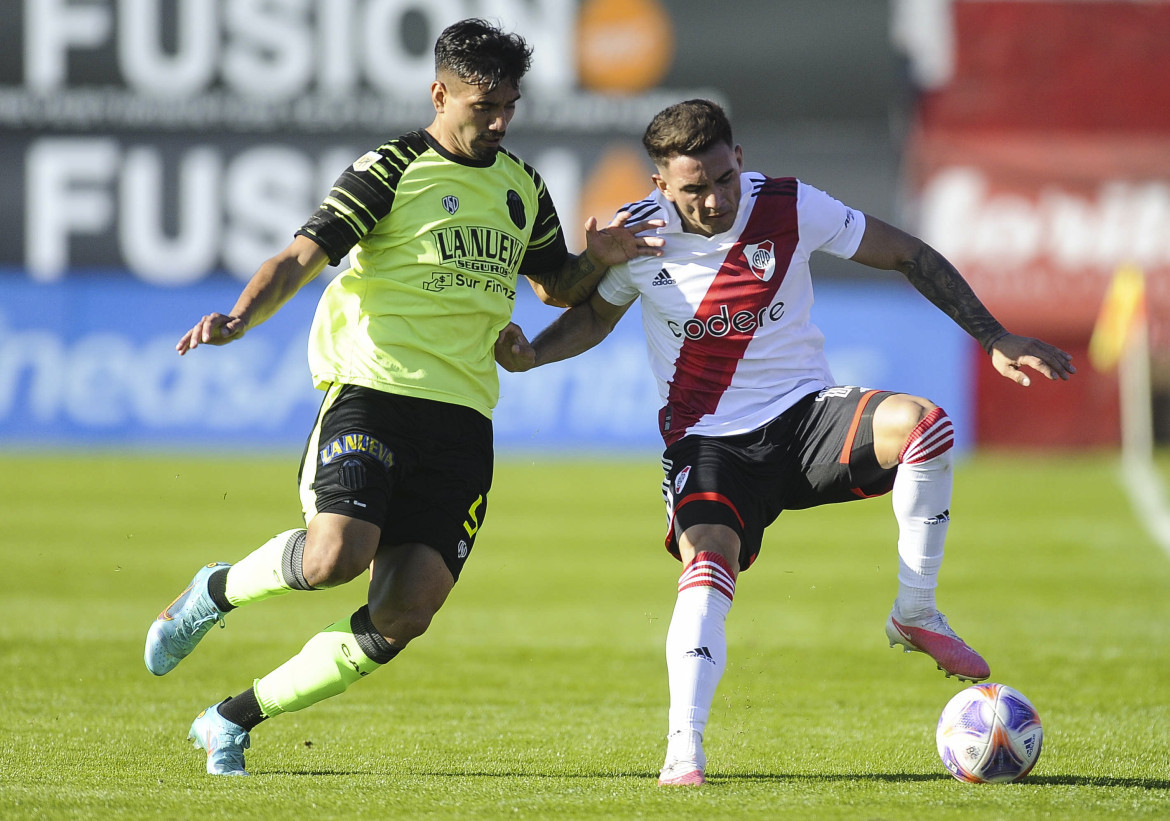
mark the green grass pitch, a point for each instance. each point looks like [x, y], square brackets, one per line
[540, 691]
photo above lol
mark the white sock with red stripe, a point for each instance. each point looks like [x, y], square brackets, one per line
[696, 645]
[922, 501]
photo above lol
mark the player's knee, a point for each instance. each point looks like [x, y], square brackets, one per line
[898, 416]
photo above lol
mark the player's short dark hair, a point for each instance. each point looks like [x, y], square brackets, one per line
[686, 129]
[477, 52]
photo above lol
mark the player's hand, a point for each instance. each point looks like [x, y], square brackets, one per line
[1011, 353]
[513, 351]
[213, 329]
[618, 242]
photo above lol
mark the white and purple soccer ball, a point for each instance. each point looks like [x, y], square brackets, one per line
[989, 733]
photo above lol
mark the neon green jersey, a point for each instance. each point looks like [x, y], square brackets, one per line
[435, 245]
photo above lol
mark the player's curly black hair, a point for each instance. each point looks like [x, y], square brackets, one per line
[685, 129]
[477, 52]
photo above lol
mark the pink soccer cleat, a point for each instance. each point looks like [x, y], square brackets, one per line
[933, 636]
[685, 760]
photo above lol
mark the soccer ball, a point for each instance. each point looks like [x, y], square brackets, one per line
[989, 733]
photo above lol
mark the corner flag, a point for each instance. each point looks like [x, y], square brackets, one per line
[1124, 305]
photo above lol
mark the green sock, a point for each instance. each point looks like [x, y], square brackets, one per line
[328, 663]
[270, 570]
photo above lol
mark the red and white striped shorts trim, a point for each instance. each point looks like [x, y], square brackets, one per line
[708, 570]
[933, 436]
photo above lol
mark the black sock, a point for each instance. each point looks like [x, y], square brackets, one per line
[217, 590]
[244, 710]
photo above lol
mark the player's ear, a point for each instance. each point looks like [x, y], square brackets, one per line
[662, 186]
[438, 95]
[739, 157]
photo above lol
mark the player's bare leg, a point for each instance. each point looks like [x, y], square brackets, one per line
[696, 646]
[918, 437]
[408, 585]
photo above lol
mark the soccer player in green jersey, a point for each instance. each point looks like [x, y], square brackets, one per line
[438, 225]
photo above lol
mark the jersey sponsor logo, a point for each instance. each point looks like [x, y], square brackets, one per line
[723, 322]
[366, 160]
[479, 249]
[450, 204]
[662, 278]
[516, 209]
[356, 443]
[445, 279]
[761, 259]
[681, 479]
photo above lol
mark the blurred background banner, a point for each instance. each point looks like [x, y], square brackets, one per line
[1038, 161]
[92, 363]
[154, 152]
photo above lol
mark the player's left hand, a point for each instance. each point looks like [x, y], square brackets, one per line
[513, 351]
[1010, 353]
[618, 242]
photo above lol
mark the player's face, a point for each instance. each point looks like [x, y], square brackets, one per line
[471, 120]
[704, 188]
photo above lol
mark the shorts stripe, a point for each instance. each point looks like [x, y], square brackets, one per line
[847, 448]
[708, 497]
[309, 464]
[700, 497]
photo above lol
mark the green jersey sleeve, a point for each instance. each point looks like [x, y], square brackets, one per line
[362, 195]
[547, 252]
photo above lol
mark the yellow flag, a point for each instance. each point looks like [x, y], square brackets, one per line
[1124, 303]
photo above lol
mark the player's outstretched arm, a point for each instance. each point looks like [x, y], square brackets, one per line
[575, 331]
[271, 286]
[604, 247]
[886, 247]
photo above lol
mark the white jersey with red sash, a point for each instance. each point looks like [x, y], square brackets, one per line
[727, 318]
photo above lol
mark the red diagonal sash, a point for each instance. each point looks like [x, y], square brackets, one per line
[727, 318]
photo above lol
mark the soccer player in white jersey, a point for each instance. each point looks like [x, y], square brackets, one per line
[752, 419]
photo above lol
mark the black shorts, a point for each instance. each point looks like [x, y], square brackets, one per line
[817, 452]
[419, 469]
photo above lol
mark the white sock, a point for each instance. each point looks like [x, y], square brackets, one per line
[922, 501]
[696, 645]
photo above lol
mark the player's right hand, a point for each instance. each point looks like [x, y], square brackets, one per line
[213, 329]
[513, 351]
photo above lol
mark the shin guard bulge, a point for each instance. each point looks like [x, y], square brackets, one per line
[328, 663]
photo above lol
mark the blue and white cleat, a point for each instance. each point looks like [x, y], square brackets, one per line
[182, 624]
[225, 742]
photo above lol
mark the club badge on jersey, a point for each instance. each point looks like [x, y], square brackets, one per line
[761, 258]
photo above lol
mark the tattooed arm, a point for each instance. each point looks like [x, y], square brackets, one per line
[571, 285]
[612, 245]
[884, 246]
